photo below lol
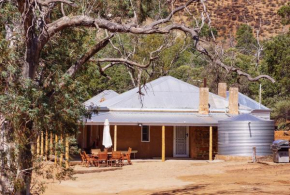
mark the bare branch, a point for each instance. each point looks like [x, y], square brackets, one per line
[129, 62]
[102, 70]
[168, 18]
[74, 68]
[65, 22]
[62, 9]
[134, 11]
[153, 28]
[218, 62]
[260, 47]
[47, 2]
[125, 61]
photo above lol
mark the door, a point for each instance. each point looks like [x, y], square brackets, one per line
[180, 144]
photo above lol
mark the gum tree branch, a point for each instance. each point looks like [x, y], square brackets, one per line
[95, 49]
[129, 62]
[47, 2]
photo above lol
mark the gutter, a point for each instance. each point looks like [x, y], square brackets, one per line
[104, 109]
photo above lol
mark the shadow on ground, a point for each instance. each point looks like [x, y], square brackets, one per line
[190, 189]
[199, 189]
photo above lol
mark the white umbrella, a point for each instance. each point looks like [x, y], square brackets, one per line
[107, 141]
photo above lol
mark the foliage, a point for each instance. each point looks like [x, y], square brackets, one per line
[284, 13]
[246, 41]
[281, 114]
[276, 63]
[121, 9]
[208, 32]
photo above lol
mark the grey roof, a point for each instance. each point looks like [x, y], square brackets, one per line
[103, 96]
[156, 118]
[244, 117]
[246, 101]
[165, 93]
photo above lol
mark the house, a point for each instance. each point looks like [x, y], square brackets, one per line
[171, 118]
[103, 96]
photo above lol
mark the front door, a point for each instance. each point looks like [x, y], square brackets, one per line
[181, 147]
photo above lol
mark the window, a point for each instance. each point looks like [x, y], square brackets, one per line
[145, 134]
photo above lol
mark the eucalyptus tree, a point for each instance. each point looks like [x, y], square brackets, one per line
[35, 92]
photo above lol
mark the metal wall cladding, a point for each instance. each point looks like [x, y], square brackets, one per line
[237, 138]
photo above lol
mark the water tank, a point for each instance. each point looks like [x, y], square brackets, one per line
[238, 135]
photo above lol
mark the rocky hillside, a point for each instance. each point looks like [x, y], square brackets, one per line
[227, 15]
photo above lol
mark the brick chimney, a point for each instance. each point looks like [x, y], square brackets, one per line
[234, 100]
[222, 89]
[203, 100]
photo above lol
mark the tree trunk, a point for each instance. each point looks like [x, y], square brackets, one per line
[25, 165]
[6, 186]
[32, 57]
[3, 177]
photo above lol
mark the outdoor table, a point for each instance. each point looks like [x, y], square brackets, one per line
[110, 153]
[132, 152]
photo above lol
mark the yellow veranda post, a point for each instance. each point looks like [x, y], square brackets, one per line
[163, 143]
[115, 138]
[210, 143]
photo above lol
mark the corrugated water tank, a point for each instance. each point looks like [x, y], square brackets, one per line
[238, 135]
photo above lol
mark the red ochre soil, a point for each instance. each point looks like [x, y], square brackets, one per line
[182, 177]
[227, 15]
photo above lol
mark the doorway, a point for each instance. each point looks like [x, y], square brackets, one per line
[181, 142]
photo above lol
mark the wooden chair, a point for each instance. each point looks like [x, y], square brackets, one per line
[95, 151]
[102, 158]
[90, 160]
[127, 156]
[83, 158]
[108, 149]
[116, 159]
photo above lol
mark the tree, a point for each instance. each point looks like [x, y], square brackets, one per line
[281, 114]
[276, 63]
[284, 13]
[40, 93]
[245, 39]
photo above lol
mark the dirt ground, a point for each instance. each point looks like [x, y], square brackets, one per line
[181, 177]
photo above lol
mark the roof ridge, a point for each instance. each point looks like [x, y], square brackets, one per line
[153, 84]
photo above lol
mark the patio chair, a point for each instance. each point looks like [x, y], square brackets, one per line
[83, 159]
[116, 159]
[90, 160]
[102, 158]
[127, 156]
[108, 149]
[95, 151]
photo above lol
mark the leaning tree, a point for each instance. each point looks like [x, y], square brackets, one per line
[36, 23]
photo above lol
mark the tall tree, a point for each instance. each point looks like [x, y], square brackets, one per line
[34, 92]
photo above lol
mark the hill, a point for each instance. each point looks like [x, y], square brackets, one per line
[227, 15]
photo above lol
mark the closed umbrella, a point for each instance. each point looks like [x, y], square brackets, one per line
[107, 141]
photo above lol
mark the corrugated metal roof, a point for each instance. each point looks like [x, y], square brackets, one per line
[156, 118]
[103, 96]
[244, 117]
[246, 101]
[165, 93]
